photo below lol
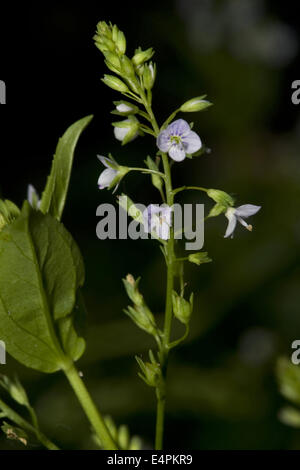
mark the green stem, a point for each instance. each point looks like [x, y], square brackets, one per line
[89, 408]
[193, 188]
[22, 423]
[170, 258]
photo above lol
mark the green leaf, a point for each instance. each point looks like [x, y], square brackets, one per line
[54, 196]
[41, 270]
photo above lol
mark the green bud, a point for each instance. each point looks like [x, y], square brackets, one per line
[143, 318]
[121, 42]
[156, 179]
[127, 67]
[199, 258]
[142, 56]
[149, 75]
[131, 286]
[104, 30]
[195, 104]
[182, 308]
[151, 371]
[113, 62]
[16, 390]
[115, 83]
[220, 197]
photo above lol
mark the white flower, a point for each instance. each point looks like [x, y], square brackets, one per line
[126, 130]
[107, 176]
[124, 108]
[178, 139]
[235, 215]
[158, 219]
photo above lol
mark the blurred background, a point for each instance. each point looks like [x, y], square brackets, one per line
[244, 54]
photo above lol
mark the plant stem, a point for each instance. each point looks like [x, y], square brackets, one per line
[89, 407]
[170, 259]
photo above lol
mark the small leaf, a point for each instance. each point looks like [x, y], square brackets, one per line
[54, 196]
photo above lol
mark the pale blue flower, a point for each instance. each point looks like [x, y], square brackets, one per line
[178, 140]
[235, 215]
[158, 219]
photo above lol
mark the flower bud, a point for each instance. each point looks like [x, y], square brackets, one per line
[126, 130]
[199, 258]
[195, 104]
[142, 56]
[182, 308]
[127, 67]
[149, 75]
[115, 83]
[151, 371]
[112, 62]
[15, 389]
[131, 286]
[121, 42]
[143, 318]
[220, 197]
[124, 108]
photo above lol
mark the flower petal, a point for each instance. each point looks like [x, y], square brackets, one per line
[106, 178]
[191, 142]
[163, 141]
[231, 225]
[164, 231]
[177, 152]
[121, 132]
[178, 127]
[246, 210]
[105, 161]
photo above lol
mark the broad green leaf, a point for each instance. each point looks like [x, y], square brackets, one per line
[41, 270]
[54, 196]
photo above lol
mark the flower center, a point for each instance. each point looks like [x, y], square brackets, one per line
[175, 139]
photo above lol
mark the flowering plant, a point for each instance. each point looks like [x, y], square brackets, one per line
[41, 302]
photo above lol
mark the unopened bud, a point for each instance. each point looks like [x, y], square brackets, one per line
[126, 130]
[195, 104]
[131, 286]
[124, 108]
[142, 56]
[199, 258]
[182, 308]
[220, 197]
[115, 83]
[149, 75]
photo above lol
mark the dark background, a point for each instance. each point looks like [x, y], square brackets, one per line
[245, 55]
